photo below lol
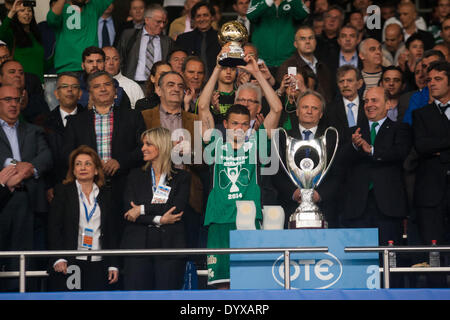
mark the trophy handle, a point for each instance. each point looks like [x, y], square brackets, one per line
[288, 141]
[324, 142]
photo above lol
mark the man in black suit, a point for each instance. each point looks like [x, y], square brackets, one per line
[202, 41]
[115, 133]
[431, 129]
[23, 145]
[310, 108]
[347, 110]
[67, 92]
[108, 28]
[141, 48]
[375, 195]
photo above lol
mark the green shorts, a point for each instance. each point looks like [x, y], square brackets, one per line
[219, 264]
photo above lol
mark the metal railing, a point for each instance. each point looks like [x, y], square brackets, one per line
[23, 255]
[387, 269]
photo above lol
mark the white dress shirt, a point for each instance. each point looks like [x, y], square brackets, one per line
[354, 108]
[313, 131]
[65, 114]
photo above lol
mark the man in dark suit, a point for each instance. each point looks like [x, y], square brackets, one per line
[431, 129]
[108, 28]
[67, 92]
[115, 133]
[202, 41]
[305, 43]
[141, 48]
[22, 145]
[310, 108]
[347, 110]
[375, 195]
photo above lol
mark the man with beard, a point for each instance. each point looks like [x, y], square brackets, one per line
[75, 24]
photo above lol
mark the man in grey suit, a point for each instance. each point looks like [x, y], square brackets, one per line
[141, 48]
[22, 145]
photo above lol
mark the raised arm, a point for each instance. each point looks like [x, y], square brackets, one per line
[273, 117]
[58, 7]
[204, 103]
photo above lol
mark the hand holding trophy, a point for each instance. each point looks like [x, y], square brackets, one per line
[234, 35]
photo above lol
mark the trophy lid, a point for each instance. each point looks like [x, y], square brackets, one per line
[233, 31]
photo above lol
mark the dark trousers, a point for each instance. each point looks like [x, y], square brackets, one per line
[389, 228]
[93, 276]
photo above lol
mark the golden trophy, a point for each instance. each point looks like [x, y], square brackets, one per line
[235, 35]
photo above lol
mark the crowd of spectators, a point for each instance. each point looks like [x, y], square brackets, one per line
[96, 171]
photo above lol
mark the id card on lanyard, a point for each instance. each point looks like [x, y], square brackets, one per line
[88, 234]
[161, 192]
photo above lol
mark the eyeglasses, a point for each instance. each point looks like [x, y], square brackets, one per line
[246, 101]
[67, 86]
[10, 99]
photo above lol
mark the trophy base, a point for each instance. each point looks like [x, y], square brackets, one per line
[232, 62]
[310, 220]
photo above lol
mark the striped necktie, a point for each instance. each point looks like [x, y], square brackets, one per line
[149, 55]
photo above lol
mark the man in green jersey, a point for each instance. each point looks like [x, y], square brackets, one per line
[235, 163]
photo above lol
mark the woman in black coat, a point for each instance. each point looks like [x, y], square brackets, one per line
[81, 218]
[156, 196]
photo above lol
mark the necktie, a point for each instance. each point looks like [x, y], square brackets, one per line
[306, 134]
[443, 108]
[373, 133]
[350, 116]
[149, 56]
[105, 35]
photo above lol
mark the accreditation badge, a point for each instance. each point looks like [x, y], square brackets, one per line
[87, 237]
[161, 194]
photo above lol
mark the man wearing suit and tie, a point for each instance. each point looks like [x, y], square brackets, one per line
[375, 195]
[141, 48]
[23, 145]
[67, 92]
[347, 110]
[310, 108]
[431, 129]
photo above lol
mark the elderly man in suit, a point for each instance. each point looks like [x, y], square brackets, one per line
[310, 111]
[347, 110]
[22, 145]
[375, 195]
[141, 48]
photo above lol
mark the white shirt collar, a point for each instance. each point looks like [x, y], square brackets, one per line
[313, 130]
[95, 189]
[64, 114]
[355, 101]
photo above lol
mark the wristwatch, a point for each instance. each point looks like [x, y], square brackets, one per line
[14, 162]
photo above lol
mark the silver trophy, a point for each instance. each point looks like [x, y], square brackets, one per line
[311, 157]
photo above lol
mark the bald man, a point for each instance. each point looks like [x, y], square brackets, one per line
[393, 45]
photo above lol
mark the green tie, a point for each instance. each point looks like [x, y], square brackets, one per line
[373, 134]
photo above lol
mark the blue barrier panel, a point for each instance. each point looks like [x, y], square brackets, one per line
[356, 294]
[333, 270]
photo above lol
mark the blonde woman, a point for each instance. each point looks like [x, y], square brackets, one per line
[156, 196]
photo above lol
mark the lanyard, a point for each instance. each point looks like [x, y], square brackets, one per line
[88, 216]
[162, 179]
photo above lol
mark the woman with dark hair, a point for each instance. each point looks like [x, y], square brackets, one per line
[156, 196]
[81, 218]
[20, 32]
[151, 99]
[408, 59]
